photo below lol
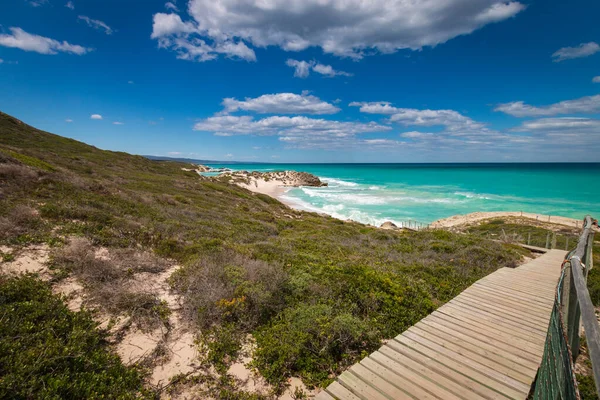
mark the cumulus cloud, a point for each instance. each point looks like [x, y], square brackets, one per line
[596, 79]
[583, 50]
[96, 24]
[171, 6]
[299, 131]
[583, 105]
[95, 116]
[302, 69]
[70, 5]
[118, 123]
[281, 103]
[452, 120]
[172, 33]
[29, 42]
[348, 28]
[69, 120]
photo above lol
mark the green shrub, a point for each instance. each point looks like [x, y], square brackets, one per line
[311, 341]
[49, 352]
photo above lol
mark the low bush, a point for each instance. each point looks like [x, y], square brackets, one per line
[49, 352]
[312, 341]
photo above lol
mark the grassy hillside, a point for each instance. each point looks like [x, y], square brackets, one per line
[317, 293]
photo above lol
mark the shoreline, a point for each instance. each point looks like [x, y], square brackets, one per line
[277, 189]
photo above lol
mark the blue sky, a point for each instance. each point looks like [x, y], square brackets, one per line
[309, 80]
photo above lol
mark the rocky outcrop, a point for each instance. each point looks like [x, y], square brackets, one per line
[389, 226]
[281, 178]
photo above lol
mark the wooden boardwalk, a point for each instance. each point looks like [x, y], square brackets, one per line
[486, 343]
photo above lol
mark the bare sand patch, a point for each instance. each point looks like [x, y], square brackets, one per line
[31, 259]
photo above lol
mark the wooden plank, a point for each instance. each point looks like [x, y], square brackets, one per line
[360, 388]
[323, 395]
[386, 387]
[486, 365]
[516, 293]
[438, 364]
[473, 352]
[530, 300]
[501, 310]
[471, 378]
[494, 319]
[475, 340]
[530, 313]
[522, 307]
[494, 334]
[341, 393]
[478, 309]
[448, 389]
[408, 381]
[509, 330]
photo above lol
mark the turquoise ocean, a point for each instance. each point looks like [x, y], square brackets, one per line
[375, 193]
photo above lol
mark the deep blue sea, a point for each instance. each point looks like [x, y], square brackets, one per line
[375, 193]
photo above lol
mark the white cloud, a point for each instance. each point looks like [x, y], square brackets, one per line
[281, 103]
[329, 71]
[415, 135]
[349, 28]
[229, 155]
[300, 131]
[29, 42]
[174, 153]
[596, 79]
[95, 116]
[588, 105]
[118, 123]
[452, 120]
[70, 5]
[302, 69]
[171, 6]
[564, 124]
[172, 33]
[69, 120]
[583, 50]
[96, 24]
[37, 3]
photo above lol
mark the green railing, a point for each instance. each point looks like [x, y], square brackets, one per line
[572, 306]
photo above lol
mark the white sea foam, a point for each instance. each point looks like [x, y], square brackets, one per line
[338, 197]
[470, 195]
[338, 182]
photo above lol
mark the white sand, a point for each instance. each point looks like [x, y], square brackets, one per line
[457, 220]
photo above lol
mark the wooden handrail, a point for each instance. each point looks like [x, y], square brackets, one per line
[577, 304]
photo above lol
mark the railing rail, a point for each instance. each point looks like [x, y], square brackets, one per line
[573, 305]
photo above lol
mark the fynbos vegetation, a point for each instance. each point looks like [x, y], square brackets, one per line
[316, 293]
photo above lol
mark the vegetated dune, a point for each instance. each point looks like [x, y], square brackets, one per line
[200, 288]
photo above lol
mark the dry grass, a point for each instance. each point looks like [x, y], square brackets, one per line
[19, 220]
[229, 287]
[108, 278]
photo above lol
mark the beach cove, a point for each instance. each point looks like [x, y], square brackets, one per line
[425, 193]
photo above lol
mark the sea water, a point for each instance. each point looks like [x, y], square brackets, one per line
[375, 193]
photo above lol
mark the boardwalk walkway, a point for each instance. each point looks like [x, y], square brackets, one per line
[486, 343]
